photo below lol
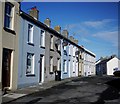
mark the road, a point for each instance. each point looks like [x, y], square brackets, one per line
[85, 90]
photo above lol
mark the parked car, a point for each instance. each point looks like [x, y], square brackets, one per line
[117, 73]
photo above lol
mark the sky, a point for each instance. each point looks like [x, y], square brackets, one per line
[94, 24]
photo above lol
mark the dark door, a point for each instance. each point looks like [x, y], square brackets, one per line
[6, 68]
[41, 59]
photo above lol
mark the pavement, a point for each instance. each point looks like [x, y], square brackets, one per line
[19, 93]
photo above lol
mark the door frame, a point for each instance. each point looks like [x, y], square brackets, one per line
[10, 65]
[41, 69]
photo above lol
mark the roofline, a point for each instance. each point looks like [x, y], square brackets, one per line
[86, 50]
[45, 27]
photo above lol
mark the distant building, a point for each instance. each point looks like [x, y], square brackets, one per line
[107, 66]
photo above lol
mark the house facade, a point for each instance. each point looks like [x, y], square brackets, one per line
[81, 61]
[89, 63]
[69, 63]
[52, 52]
[10, 48]
[107, 66]
[65, 69]
[32, 50]
[73, 49]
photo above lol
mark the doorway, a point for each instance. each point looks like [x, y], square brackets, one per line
[6, 64]
[41, 68]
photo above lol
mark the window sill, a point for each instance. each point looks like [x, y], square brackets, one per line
[9, 30]
[51, 72]
[30, 43]
[65, 73]
[42, 47]
[51, 49]
[30, 75]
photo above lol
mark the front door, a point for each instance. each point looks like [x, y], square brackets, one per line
[6, 68]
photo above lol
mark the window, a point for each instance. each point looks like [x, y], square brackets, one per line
[58, 47]
[51, 42]
[58, 64]
[51, 64]
[64, 50]
[8, 22]
[42, 38]
[30, 33]
[64, 66]
[30, 63]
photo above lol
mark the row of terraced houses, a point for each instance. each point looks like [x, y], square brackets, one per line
[32, 53]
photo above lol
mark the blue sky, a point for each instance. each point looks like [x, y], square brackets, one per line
[94, 24]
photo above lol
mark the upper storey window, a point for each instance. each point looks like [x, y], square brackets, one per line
[8, 20]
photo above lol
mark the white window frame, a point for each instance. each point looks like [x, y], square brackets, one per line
[30, 69]
[42, 38]
[9, 16]
[51, 64]
[30, 33]
[51, 41]
[58, 64]
[73, 66]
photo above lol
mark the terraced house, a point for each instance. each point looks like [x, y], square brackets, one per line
[35, 53]
[9, 48]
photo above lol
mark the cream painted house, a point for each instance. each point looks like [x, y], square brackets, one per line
[112, 65]
[9, 57]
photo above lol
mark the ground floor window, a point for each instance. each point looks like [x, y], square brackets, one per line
[30, 63]
[51, 64]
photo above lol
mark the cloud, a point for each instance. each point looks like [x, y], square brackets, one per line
[85, 40]
[105, 30]
[109, 36]
[100, 23]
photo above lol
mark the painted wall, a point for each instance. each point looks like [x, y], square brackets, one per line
[54, 53]
[65, 56]
[73, 61]
[111, 64]
[89, 65]
[24, 80]
[12, 43]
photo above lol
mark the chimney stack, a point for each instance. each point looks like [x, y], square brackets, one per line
[65, 33]
[34, 12]
[76, 41]
[71, 38]
[47, 22]
[58, 29]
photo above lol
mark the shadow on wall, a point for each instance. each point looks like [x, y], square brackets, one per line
[111, 93]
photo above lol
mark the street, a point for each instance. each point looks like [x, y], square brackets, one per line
[84, 90]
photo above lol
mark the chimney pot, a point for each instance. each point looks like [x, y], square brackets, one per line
[71, 38]
[65, 33]
[58, 29]
[47, 22]
[34, 12]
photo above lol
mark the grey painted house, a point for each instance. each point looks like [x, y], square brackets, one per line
[52, 53]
